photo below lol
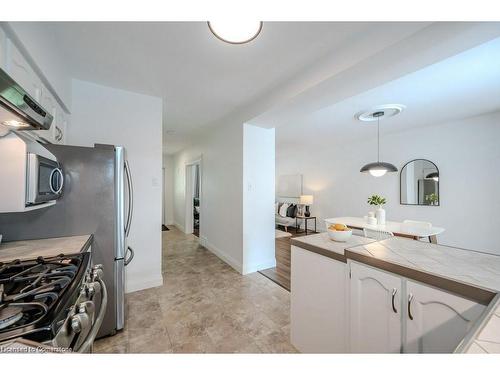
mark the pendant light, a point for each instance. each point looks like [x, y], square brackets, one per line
[433, 175]
[379, 168]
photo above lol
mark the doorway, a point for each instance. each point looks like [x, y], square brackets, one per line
[193, 197]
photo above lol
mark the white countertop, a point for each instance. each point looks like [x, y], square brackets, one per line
[48, 247]
[391, 226]
[323, 241]
[465, 266]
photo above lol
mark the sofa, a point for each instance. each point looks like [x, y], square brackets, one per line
[288, 219]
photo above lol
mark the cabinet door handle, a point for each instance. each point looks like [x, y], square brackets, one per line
[410, 298]
[394, 291]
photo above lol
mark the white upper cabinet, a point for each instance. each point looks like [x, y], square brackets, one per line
[437, 321]
[3, 49]
[18, 67]
[375, 314]
[22, 72]
[59, 126]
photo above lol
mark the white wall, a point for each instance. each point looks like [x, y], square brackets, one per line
[221, 203]
[466, 153]
[168, 199]
[258, 198]
[107, 115]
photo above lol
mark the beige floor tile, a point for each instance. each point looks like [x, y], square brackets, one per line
[203, 306]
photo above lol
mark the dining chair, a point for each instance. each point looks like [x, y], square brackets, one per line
[377, 234]
[418, 224]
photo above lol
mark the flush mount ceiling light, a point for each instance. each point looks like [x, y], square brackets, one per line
[379, 168]
[235, 31]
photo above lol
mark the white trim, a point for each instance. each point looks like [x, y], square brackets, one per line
[142, 281]
[178, 226]
[222, 255]
[188, 185]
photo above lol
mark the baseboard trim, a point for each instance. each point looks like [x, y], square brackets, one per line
[221, 255]
[135, 283]
[179, 226]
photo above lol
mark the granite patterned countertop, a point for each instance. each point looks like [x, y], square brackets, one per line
[30, 249]
[473, 274]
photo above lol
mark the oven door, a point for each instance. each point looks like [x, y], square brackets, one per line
[45, 180]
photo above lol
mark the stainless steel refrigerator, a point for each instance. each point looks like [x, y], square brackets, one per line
[98, 199]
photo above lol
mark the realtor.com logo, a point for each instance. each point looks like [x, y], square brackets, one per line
[32, 349]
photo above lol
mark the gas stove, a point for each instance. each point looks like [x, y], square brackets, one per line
[52, 301]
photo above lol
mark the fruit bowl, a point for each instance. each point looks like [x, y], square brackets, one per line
[340, 235]
[338, 232]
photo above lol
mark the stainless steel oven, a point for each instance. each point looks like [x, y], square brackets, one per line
[44, 179]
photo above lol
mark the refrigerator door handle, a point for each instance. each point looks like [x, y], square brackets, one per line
[129, 259]
[130, 198]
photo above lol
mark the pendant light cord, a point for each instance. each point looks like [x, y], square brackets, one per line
[378, 139]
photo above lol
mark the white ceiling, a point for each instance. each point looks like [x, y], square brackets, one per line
[200, 78]
[458, 87]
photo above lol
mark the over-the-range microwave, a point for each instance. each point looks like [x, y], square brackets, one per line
[31, 175]
[44, 181]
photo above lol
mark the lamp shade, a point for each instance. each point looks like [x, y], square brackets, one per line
[306, 200]
[378, 169]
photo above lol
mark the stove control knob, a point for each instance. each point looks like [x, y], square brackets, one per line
[97, 274]
[82, 308]
[76, 324]
[90, 289]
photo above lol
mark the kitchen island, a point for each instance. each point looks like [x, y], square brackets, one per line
[395, 295]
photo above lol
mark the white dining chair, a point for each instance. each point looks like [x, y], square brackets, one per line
[418, 224]
[377, 234]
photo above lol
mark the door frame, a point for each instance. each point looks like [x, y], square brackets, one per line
[188, 193]
[163, 198]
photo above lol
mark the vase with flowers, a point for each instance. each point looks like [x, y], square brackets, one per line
[377, 200]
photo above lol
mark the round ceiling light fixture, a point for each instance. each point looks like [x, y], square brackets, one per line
[389, 110]
[235, 31]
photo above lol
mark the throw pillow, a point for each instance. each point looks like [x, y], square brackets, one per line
[291, 211]
[283, 209]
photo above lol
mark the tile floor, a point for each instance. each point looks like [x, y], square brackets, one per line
[203, 306]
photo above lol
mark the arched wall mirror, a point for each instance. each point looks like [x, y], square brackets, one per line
[419, 183]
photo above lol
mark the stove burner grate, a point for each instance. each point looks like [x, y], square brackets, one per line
[10, 315]
[29, 289]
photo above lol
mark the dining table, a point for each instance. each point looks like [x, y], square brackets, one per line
[401, 229]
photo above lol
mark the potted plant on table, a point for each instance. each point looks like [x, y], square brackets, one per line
[377, 200]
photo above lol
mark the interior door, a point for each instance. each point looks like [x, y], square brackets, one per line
[375, 310]
[436, 321]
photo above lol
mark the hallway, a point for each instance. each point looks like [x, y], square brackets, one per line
[203, 306]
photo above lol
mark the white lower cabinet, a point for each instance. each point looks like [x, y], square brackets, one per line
[375, 313]
[390, 314]
[436, 321]
[318, 308]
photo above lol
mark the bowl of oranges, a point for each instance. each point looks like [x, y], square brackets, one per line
[338, 232]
